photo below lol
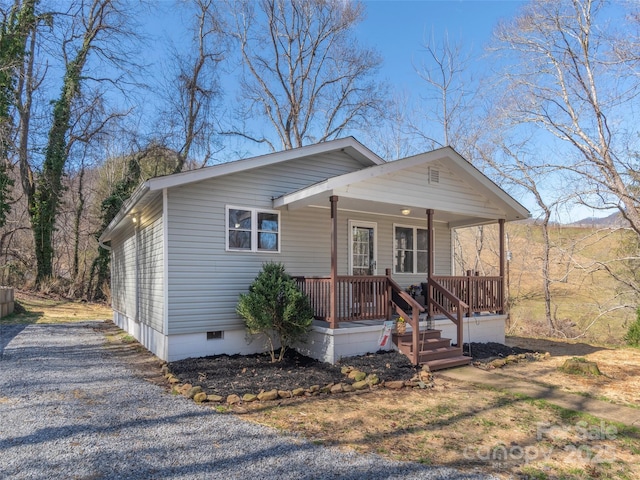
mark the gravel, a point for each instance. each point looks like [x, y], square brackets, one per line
[71, 410]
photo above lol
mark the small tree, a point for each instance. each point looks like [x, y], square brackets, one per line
[633, 334]
[276, 308]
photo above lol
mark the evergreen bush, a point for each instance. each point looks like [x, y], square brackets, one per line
[276, 308]
[633, 334]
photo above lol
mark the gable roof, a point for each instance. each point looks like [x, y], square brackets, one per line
[150, 190]
[316, 194]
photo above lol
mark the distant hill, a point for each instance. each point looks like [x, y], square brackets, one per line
[615, 220]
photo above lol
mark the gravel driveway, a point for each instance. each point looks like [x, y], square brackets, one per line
[70, 409]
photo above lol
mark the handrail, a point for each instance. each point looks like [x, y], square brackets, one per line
[458, 304]
[413, 319]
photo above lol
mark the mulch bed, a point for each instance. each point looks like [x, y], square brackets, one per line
[240, 374]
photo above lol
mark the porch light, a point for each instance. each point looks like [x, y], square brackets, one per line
[405, 211]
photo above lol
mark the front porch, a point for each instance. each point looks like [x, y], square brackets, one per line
[390, 216]
[436, 330]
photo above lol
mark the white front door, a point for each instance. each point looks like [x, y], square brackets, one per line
[362, 248]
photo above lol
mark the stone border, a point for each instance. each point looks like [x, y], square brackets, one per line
[355, 381]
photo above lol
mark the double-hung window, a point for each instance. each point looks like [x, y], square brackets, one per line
[410, 249]
[253, 230]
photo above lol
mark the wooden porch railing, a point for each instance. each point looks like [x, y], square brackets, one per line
[444, 302]
[400, 299]
[480, 294]
[359, 297]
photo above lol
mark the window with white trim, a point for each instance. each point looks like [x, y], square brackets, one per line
[410, 253]
[253, 230]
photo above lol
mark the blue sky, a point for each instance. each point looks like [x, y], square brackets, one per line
[397, 30]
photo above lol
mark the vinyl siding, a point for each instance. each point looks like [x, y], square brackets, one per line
[150, 267]
[204, 279]
[450, 194]
[123, 272]
[146, 276]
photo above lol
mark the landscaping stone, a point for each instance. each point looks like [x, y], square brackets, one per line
[359, 376]
[360, 385]
[233, 399]
[184, 389]
[346, 370]
[193, 391]
[200, 397]
[314, 388]
[348, 388]
[298, 392]
[214, 398]
[372, 379]
[394, 384]
[337, 388]
[268, 396]
[249, 397]
[284, 394]
[326, 388]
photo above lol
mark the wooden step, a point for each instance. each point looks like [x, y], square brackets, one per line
[451, 362]
[427, 344]
[439, 353]
[406, 337]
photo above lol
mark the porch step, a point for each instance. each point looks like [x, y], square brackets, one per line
[426, 356]
[451, 362]
[426, 344]
[406, 337]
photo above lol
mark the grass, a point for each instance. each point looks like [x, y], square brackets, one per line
[39, 309]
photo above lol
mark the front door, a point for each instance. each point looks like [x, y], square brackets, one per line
[362, 252]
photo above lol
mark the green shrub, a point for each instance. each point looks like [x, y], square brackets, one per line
[276, 308]
[633, 334]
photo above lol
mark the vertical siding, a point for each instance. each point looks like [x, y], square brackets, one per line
[150, 267]
[204, 279]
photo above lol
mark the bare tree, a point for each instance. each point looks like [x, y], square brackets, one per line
[190, 95]
[304, 71]
[565, 73]
[88, 28]
[448, 95]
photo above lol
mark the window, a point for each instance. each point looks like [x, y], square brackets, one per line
[410, 250]
[253, 230]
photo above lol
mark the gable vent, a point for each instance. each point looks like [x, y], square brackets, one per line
[434, 175]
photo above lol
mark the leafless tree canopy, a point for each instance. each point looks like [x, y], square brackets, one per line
[304, 70]
[565, 73]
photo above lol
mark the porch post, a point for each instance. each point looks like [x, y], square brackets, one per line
[333, 301]
[502, 265]
[430, 262]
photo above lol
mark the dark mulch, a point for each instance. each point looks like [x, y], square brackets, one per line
[240, 374]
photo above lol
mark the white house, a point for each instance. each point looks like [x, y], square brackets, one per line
[353, 228]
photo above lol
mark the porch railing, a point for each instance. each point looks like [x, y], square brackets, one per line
[368, 297]
[359, 297]
[479, 293]
[443, 301]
